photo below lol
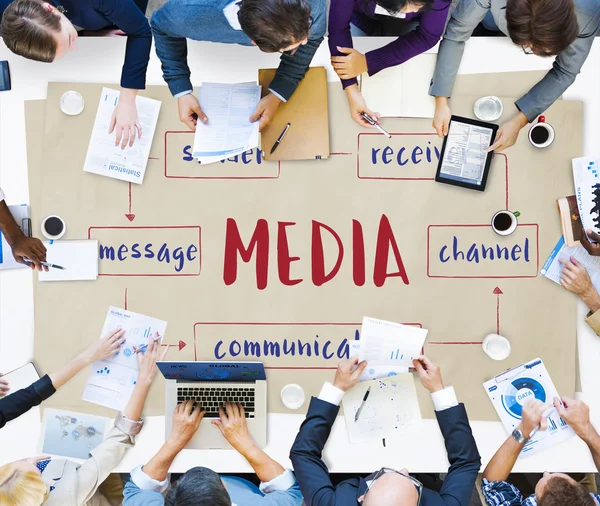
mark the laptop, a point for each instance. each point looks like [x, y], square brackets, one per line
[211, 384]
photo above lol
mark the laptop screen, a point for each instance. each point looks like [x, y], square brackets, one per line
[213, 371]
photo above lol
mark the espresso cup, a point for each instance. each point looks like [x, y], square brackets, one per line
[541, 135]
[53, 227]
[496, 347]
[505, 222]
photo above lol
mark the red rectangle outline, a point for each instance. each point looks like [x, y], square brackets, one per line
[299, 324]
[537, 240]
[155, 228]
[388, 178]
[211, 177]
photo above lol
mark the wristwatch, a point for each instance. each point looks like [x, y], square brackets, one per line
[519, 437]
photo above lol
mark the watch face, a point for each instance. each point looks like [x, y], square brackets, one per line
[518, 435]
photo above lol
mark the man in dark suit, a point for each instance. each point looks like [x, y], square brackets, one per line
[386, 487]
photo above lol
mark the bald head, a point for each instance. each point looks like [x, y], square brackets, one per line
[392, 489]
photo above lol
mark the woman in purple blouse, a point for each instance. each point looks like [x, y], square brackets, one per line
[367, 15]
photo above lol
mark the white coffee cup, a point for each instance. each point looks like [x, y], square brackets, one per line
[547, 127]
[505, 222]
[496, 347]
[293, 396]
[52, 221]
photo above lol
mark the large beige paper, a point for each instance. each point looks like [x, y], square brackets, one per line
[321, 239]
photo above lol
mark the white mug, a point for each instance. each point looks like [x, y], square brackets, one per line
[496, 347]
[542, 124]
[293, 396]
[509, 216]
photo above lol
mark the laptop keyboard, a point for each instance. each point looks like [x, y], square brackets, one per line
[211, 399]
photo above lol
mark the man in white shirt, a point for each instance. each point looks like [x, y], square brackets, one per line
[20, 244]
[386, 487]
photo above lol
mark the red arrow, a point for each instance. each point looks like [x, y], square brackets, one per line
[130, 216]
[181, 345]
[125, 299]
[498, 292]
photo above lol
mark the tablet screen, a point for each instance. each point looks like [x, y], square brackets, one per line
[464, 155]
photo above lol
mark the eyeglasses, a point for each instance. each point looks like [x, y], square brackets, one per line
[527, 50]
[384, 470]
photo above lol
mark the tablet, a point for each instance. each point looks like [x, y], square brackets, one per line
[463, 160]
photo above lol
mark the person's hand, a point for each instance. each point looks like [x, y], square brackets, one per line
[575, 278]
[114, 33]
[593, 248]
[508, 133]
[147, 359]
[31, 248]
[429, 374]
[190, 111]
[531, 416]
[186, 420]
[232, 424]
[124, 120]
[441, 117]
[575, 413]
[265, 110]
[4, 388]
[351, 65]
[358, 105]
[348, 373]
[105, 347]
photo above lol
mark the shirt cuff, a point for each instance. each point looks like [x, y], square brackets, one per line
[277, 95]
[593, 320]
[129, 427]
[144, 482]
[2, 196]
[44, 387]
[183, 93]
[332, 395]
[281, 483]
[444, 399]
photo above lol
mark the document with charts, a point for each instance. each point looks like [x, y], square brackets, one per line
[552, 268]
[387, 343]
[111, 381]
[372, 372]
[106, 159]
[228, 131]
[509, 392]
[586, 176]
[392, 406]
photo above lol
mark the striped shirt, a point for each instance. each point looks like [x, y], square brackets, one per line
[501, 493]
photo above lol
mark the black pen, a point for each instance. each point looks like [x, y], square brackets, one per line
[362, 404]
[45, 264]
[280, 138]
[371, 121]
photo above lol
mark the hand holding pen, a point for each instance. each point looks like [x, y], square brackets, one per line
[142, 349]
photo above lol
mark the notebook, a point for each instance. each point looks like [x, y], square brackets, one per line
[403, 90]
[306, 111]
[79, 258]
[570, 220]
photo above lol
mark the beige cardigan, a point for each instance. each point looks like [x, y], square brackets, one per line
[77, 484]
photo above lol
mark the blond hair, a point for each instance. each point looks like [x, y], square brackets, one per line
[21, 488]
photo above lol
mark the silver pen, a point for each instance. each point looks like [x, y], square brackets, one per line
[371, 121]
[144, 346]
[46, 264]
[362, 404]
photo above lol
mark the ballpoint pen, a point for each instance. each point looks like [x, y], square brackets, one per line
[545, 415]
[362, 404]
[371, 121]
[143, 347]
[280, 138]
[46, 264]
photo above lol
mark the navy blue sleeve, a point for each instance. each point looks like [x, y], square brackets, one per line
[311, 472]
[127, 16]
[14, 405]
[462, 454]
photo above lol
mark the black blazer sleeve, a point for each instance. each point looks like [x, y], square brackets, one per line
[462, 454]
[311, 472]
[14, 405]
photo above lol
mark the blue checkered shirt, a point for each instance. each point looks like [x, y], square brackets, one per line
[501, 493]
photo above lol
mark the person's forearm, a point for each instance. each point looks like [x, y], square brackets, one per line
[264, 466]
[128, 94]
[503, 461]
[592, 439]
[592, 300]
[66, 372]
[134, 407]
[159, 465]
[8, 225]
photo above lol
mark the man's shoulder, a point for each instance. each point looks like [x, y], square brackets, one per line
[588, 16]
